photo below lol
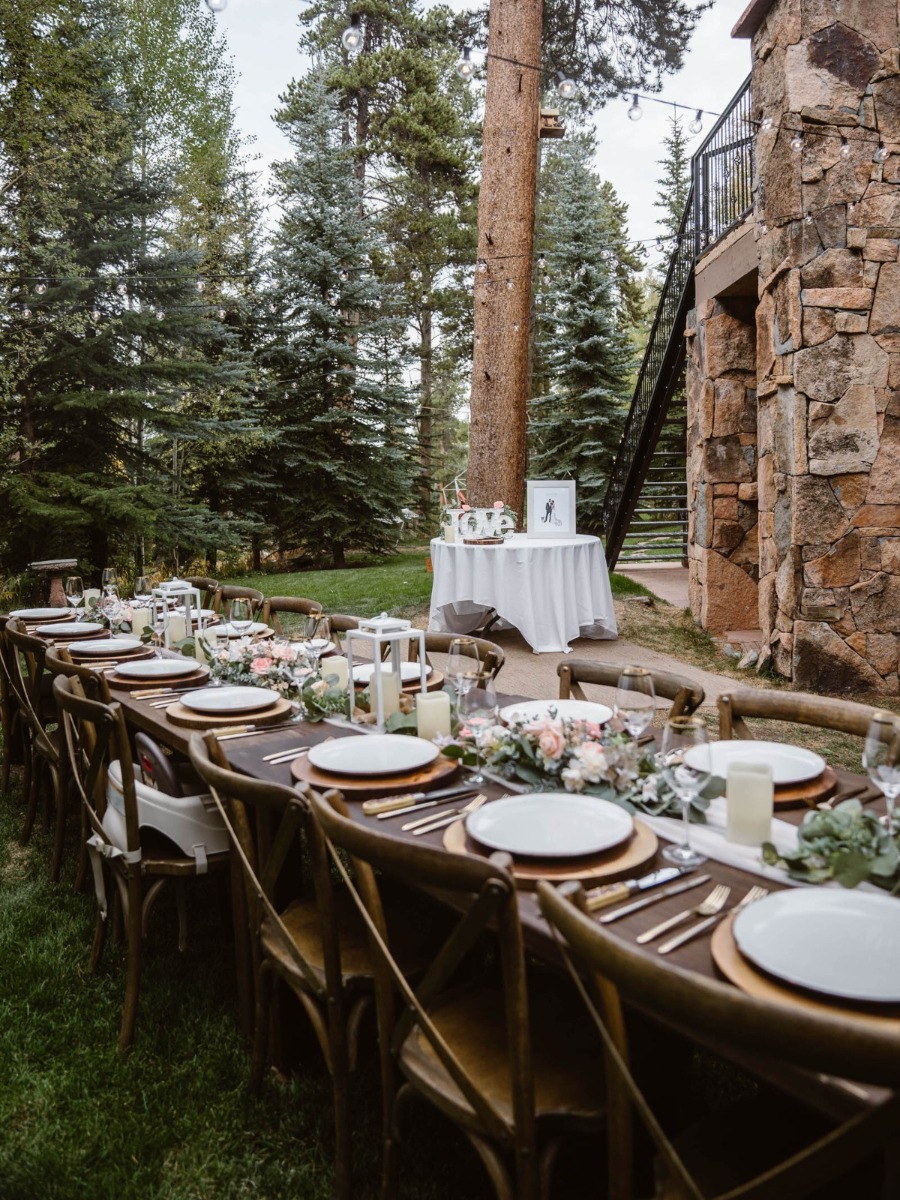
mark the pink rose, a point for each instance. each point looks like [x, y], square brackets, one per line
[498, 504]
[552, 742]
[260, 666]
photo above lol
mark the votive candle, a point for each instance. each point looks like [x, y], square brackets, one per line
[336, 664]
[390, 691]
[140, 620]
[432, 715]
[750, 802]
[176, 630]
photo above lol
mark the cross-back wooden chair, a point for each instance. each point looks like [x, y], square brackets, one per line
[313, 941]
[44, 773]
[206, 586]
[489, 653]
[798, 708]
[132, 841]
[273, 606]
[685, 693]
[837, 1045]
[11, 724]
[505, 1064]
[225, 593]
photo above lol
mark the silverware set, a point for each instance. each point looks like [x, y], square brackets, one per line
[712, 910]
[439, 820]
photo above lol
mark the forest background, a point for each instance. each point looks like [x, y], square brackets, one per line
[196, 371]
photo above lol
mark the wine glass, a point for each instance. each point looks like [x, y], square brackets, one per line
[315, 634]
[109, 579]
[111, 607]
[142, 588]
[685, 766]
[463, 664]
[635, 699]
[478, 713]
[74, 589]
[881, 759]
[241, 614]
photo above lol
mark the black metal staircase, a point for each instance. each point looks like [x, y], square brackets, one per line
[645, 512]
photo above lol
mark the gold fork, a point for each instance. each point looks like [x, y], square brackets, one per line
[713, 903]
[755, 893]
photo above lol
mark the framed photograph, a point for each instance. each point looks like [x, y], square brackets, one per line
[551, 508]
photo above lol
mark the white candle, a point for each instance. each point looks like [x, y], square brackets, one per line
[750, 801]
[176, 630]
[432, 715]
[336, 664]
[390, 691]
[450, 533]
[140, 620]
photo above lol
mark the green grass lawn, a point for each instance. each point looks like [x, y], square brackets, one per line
[401, 585]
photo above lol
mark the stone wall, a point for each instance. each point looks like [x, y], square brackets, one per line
[828, 340]
[722, 490]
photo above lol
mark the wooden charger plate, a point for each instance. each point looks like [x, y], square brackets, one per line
[620, 862]
[123, 655]
[433, 683]
[179, 715]
[196, 678]
[809, 793]
[742, 974]
[360, 787]
[64, 639]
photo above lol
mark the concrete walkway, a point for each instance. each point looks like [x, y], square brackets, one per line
[669, 581]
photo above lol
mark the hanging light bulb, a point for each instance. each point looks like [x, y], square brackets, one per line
[465, 68]
[635, 112]
[482, 266]
[845, 148]
[96, 314]
[377, 302]
[160, 315]
[697, 124]
[221, 314]
[881, 154]
[26, 313]
[767, 124]
[199, 285]
[541, 263]
[566, 88]
[352, 37]
[763, 228]
[797, 141]
[415, 274]
[40, 287]
[509, 285]
[343, 276]
[215, 6]
[425, 299]
[808, 219]
[121, 287]
[515, 326]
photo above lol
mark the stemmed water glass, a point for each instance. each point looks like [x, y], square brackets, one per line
[881, 759]
[110, 606]
[685, 766]
[74, 590]
[635, 699]
[143, 588]
[463, 664]
[478, 713]
[109, 579]
[315, 635]
[241, 614]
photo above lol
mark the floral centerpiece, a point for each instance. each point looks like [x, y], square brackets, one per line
[283, 668]
[110, 611]
[846, 844]
[557, 754]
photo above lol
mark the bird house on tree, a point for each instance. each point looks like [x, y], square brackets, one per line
[551, 126]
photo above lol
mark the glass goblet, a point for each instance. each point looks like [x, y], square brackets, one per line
[315, 637]
[463, 664]
[241, 615]
[109, 579]
[142, 588]
[74, 590]
[685, 766]
[635, 699]
[881, 759]
[478, 714]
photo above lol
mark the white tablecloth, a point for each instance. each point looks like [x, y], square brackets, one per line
[551, 589]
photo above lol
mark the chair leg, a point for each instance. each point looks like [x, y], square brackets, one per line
[81, 872]
[133, 919]
[29, 790]
[60, 791]
[98, 943]
[497, 1171]
[181, 905]
[260, 1028]
[343, 1142]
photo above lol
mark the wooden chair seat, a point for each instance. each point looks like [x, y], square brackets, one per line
[474, 1024]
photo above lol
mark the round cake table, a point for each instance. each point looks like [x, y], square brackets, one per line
[551, 589]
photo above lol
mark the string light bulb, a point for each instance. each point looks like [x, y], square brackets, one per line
[160, 315]
[881, 154]
[566, 87]
[96, 313]
[465, 68]
[343, 276]
[767, 124]
[26, 313]
[482, 266]
[845, 148]
[121, 288]
[352, 37]
[221, 314]
[199, 285]
[541, 263]
[216, 6]
[635, 112]
[797, 141]
[40, 287]
[697, 124]
[415, 274]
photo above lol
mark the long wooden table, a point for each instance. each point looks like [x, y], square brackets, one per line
[837, 1098]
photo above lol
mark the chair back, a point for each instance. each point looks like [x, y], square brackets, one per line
[489, 653]
[225, 593]
[838, 1044]
[93, 683]
[799, 708]
[487, 893]
[205, 585]
[685, 693]
[25, 667]
[274, 605]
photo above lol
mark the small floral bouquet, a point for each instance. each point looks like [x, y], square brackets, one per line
[281, 667]
[556, 754]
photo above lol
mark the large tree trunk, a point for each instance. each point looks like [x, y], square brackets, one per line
[500, 376]
[426, 414]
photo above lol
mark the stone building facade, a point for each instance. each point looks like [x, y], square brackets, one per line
[794, 433]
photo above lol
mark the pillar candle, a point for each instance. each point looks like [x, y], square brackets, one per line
[176, 630]
[336, 664]
[390, 691]
[433, 715]
[750, 802]
[449, 533]
[140, 620]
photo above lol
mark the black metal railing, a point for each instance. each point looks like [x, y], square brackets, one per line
[719, 199]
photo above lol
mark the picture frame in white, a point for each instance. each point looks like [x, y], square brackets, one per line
[551, 508]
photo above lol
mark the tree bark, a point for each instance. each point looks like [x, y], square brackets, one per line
[426, 413]
[500, 366]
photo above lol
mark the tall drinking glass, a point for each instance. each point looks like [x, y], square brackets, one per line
[74, 589]
[478, 713]
[635, 699]
[685, 766]
[241, 615]
[142, 588]
[109, 579]
[463, 664]
[881, 759]
[315, 637]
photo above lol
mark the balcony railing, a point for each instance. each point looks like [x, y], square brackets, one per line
[722, 172]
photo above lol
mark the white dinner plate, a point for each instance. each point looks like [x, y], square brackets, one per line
[229, 699]
[408, 672]
[42, 614]
[104, 646]
[570, 710]
[228, 630]
[157, 668]
[790, 764]
[71, 628]
[840, 943]
[373, 754]
[550, 825]
[206, 613]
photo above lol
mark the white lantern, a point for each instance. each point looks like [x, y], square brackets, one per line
[174, 591]
[379, 633]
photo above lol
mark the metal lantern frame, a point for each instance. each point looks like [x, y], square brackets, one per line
[379, 633]
[177, 590]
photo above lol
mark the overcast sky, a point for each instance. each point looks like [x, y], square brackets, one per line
[262, 37]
